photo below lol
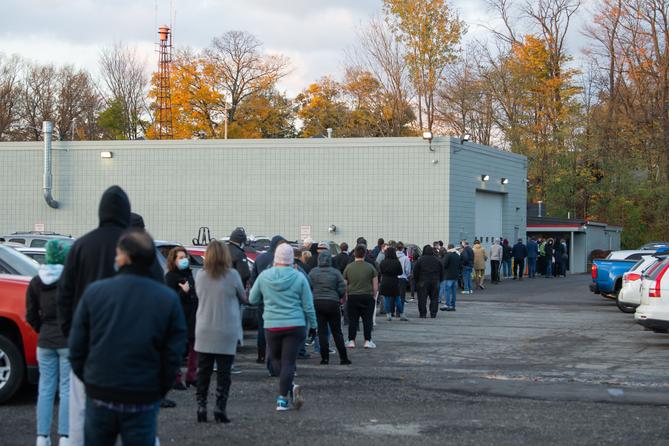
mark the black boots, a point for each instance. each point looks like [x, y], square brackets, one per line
[222, 390]
[202, 414]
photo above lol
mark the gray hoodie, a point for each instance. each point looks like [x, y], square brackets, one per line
[327, 282]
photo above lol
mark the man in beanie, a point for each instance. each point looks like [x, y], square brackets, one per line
[239, 260]
[91, 258]
[288, 306]
[52, 351]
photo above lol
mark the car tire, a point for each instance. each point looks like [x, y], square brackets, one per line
[622, 306]
[12, 369]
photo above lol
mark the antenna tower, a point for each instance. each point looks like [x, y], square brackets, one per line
[164, 111]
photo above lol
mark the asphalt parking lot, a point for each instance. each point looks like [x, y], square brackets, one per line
[536, 362]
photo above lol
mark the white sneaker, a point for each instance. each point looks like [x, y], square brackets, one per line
[297, 398]
[370, 344]
[65, 441]
[350, 344]
[43, 441]
[389, 317]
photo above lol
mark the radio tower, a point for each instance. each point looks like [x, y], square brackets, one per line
[164, 112]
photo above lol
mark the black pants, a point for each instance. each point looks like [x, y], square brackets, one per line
[283, 347]
[262, 344]
[205, 367]
[518, 268]
[429, 289]
[494, 271]
[328, 314]
[404, 284]
[360, 306]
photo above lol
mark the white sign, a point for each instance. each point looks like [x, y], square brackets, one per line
[39, 227]
[305, 232]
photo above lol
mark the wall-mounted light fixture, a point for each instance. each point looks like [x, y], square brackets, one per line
[427, 136]
[465, 138]
[485, 177]
[504, 181]
[435, 161]
[106, 155]
[332, 228]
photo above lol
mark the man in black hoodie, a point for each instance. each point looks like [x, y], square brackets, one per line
[91, 258]
[239, 260]
[428, 272]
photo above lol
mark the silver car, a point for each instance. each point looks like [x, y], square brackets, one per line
[34, 239]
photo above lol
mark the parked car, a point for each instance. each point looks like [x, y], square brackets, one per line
[629, 296]
[655, 245]
[37, 254]
[653, 313]
[14, 263]
[607, 274]
[34, 239]
[163, 248]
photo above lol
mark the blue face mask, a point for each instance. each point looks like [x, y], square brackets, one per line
[183, 263]
[116, 267]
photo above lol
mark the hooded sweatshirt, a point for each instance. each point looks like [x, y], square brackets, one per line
[480, 256]
[287, 298]
[92, 256]
[41, 307]
[428, 267]
[266, 259]
[327, 282]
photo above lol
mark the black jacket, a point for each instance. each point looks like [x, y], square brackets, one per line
[428, 268]
[240, 262]
[92, 256]
[128, 338]
[519, 251]
[341, 260]
[506, 252]
[390, 282]
[451, 266]
[188, 300]
[467, 257]
[41, 313]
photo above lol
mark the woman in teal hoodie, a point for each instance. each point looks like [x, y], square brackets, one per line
[288, 302]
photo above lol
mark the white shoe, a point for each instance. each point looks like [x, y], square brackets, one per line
[43, 441]
[389, 317]
[370, 344]
[65, 441]
[297, 398]
[350, 344]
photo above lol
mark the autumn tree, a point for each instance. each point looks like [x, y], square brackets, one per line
[266, 114]
[321, 106]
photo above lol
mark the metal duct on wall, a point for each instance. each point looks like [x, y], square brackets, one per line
[47, 128]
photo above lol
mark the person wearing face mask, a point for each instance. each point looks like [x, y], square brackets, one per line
[179, 277]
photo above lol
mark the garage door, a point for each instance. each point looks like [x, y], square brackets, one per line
[488, 218]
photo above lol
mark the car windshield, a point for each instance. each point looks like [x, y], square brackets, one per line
[24, 265]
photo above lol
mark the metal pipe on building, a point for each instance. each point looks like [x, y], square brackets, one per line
[47, 128]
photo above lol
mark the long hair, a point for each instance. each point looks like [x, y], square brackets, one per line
[172, 257]
[217, 259]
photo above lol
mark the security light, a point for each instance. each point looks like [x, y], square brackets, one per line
[465, 138]
[332, 228]
[427, 136]
[106, 155]
[485, 177]
[504, 181]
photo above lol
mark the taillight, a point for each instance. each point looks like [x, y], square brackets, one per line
[655, 290]
[631, 277]
[594, 271]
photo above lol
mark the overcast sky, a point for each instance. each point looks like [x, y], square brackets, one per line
[312, 33]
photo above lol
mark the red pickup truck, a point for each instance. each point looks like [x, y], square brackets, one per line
[18, 341]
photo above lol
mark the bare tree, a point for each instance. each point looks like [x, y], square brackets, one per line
[77, 102]
[126, 81]
[10, 93]
[242, 69]
[38, 99]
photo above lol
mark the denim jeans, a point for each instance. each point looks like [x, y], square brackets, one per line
[388, 302]
[467, 277]
[450, 290]
[104, 425]
[531, 266]
[549, 267]
[506, 268]
[442, 291]
[54, 373]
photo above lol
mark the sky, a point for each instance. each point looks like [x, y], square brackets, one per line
[314, 34]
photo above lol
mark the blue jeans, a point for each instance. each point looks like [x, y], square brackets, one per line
[104, 425]
[388, 302]
[531, 266]
[450, 288]
[467, 277]
[506, 268]
[549, 267]
[442, 291]
[54, 373]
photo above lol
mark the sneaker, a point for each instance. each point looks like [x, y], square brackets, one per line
[43, 441]
[389, 317]
[296, 396]
[350, 344]
[332, 351]
[465, 292]
[235, 370]
[370, 344]
[444, 308]
[65, 441]
[345, 362]
[281, 404]
[404, 318]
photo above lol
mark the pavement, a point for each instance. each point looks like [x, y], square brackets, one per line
[537, 362]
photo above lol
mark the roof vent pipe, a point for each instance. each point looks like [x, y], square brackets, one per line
[47, 128]
[540, 210]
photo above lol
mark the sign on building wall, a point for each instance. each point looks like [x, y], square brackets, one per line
[39, 227]
[305, 232]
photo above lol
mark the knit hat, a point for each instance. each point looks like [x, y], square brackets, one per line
[238, 235]
[56, 252]
[284, 254]
[323, 245]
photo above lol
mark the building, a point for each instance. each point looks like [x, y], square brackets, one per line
[406, 189]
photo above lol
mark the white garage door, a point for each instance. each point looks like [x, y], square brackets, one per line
[488, 219]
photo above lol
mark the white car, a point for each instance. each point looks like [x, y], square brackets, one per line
[630, 254]
[653, 313]
[629, 296]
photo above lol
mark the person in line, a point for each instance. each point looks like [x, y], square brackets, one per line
[309, 245]
[52, 351]
[404, 277]
[127, 341]
[91, 258]
[329, 290]
[506, 259]
[519, 254]
[382, 254]
[362, 288]
[548, 249]
[541, 260]
[428, 273]
[378, 248]
[217, 325]
[451, 274]
[304, 259]
[495, 261]
[561, 258]
[341, 260]
[288, 306]
[391, 271]
[467, 266]
[532, 255]
[240, 261]
[480, 258]
[179, 277]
